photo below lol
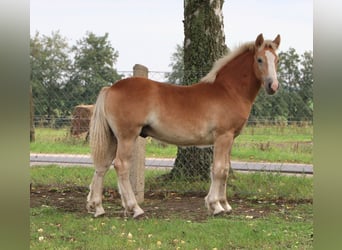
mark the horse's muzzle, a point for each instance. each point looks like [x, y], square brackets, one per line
[271, 86]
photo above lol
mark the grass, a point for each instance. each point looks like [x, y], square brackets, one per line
[275, 144]
[256, 143]
[250, 186]
[288, 227]
[51, 229]
[58, 141]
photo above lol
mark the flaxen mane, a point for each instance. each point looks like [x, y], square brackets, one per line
[211, 76]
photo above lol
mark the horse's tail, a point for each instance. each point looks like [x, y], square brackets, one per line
[100, 134]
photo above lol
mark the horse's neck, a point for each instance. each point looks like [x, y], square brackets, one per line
[238, 77]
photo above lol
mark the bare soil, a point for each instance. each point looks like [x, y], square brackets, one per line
[188, 206]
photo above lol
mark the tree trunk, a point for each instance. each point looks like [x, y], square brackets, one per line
[204, 43]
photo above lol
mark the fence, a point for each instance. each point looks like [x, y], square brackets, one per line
[287, 115]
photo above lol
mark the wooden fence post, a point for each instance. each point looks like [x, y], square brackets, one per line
[137, 176]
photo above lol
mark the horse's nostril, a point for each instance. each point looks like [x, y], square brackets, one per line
[269, 82]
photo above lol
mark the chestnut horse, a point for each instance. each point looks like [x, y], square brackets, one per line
[211, 112]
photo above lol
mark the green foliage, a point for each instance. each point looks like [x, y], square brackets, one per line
[94, 58]
[63, 76]
[177, 64]
[50, 70]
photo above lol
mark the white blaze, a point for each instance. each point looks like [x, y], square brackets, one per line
[271, 69]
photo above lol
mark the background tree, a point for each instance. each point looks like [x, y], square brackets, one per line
[50, 70]
[306, 82]
[93, 68]
[204, 43]
[60, 83]
[177, 64]
[288, 69]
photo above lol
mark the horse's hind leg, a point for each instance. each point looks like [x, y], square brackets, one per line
[94, 199]
[122, 164]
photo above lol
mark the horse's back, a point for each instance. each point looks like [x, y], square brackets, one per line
[143, 91]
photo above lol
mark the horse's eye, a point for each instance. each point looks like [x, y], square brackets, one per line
[259, 60]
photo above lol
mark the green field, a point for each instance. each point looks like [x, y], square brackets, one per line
[52, 229]
[277, 214]
[256, 143]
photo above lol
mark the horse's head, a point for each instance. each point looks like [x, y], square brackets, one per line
[265, 63]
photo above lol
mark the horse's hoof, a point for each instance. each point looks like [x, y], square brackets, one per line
[139, 216]
[227, 208]
[138, 213]
[218, 212]
[228, 211]
[216, 208]
[90, 208]
[98, 215]
[99, 211]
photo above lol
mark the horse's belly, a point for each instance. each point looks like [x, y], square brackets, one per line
[182, 137]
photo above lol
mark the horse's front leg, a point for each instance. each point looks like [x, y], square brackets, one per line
[216, 200]
[223, 189]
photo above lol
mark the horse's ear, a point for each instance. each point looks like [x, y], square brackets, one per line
[277, 40]
[259, 41]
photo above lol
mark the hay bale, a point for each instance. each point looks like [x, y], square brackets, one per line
[80, 121]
